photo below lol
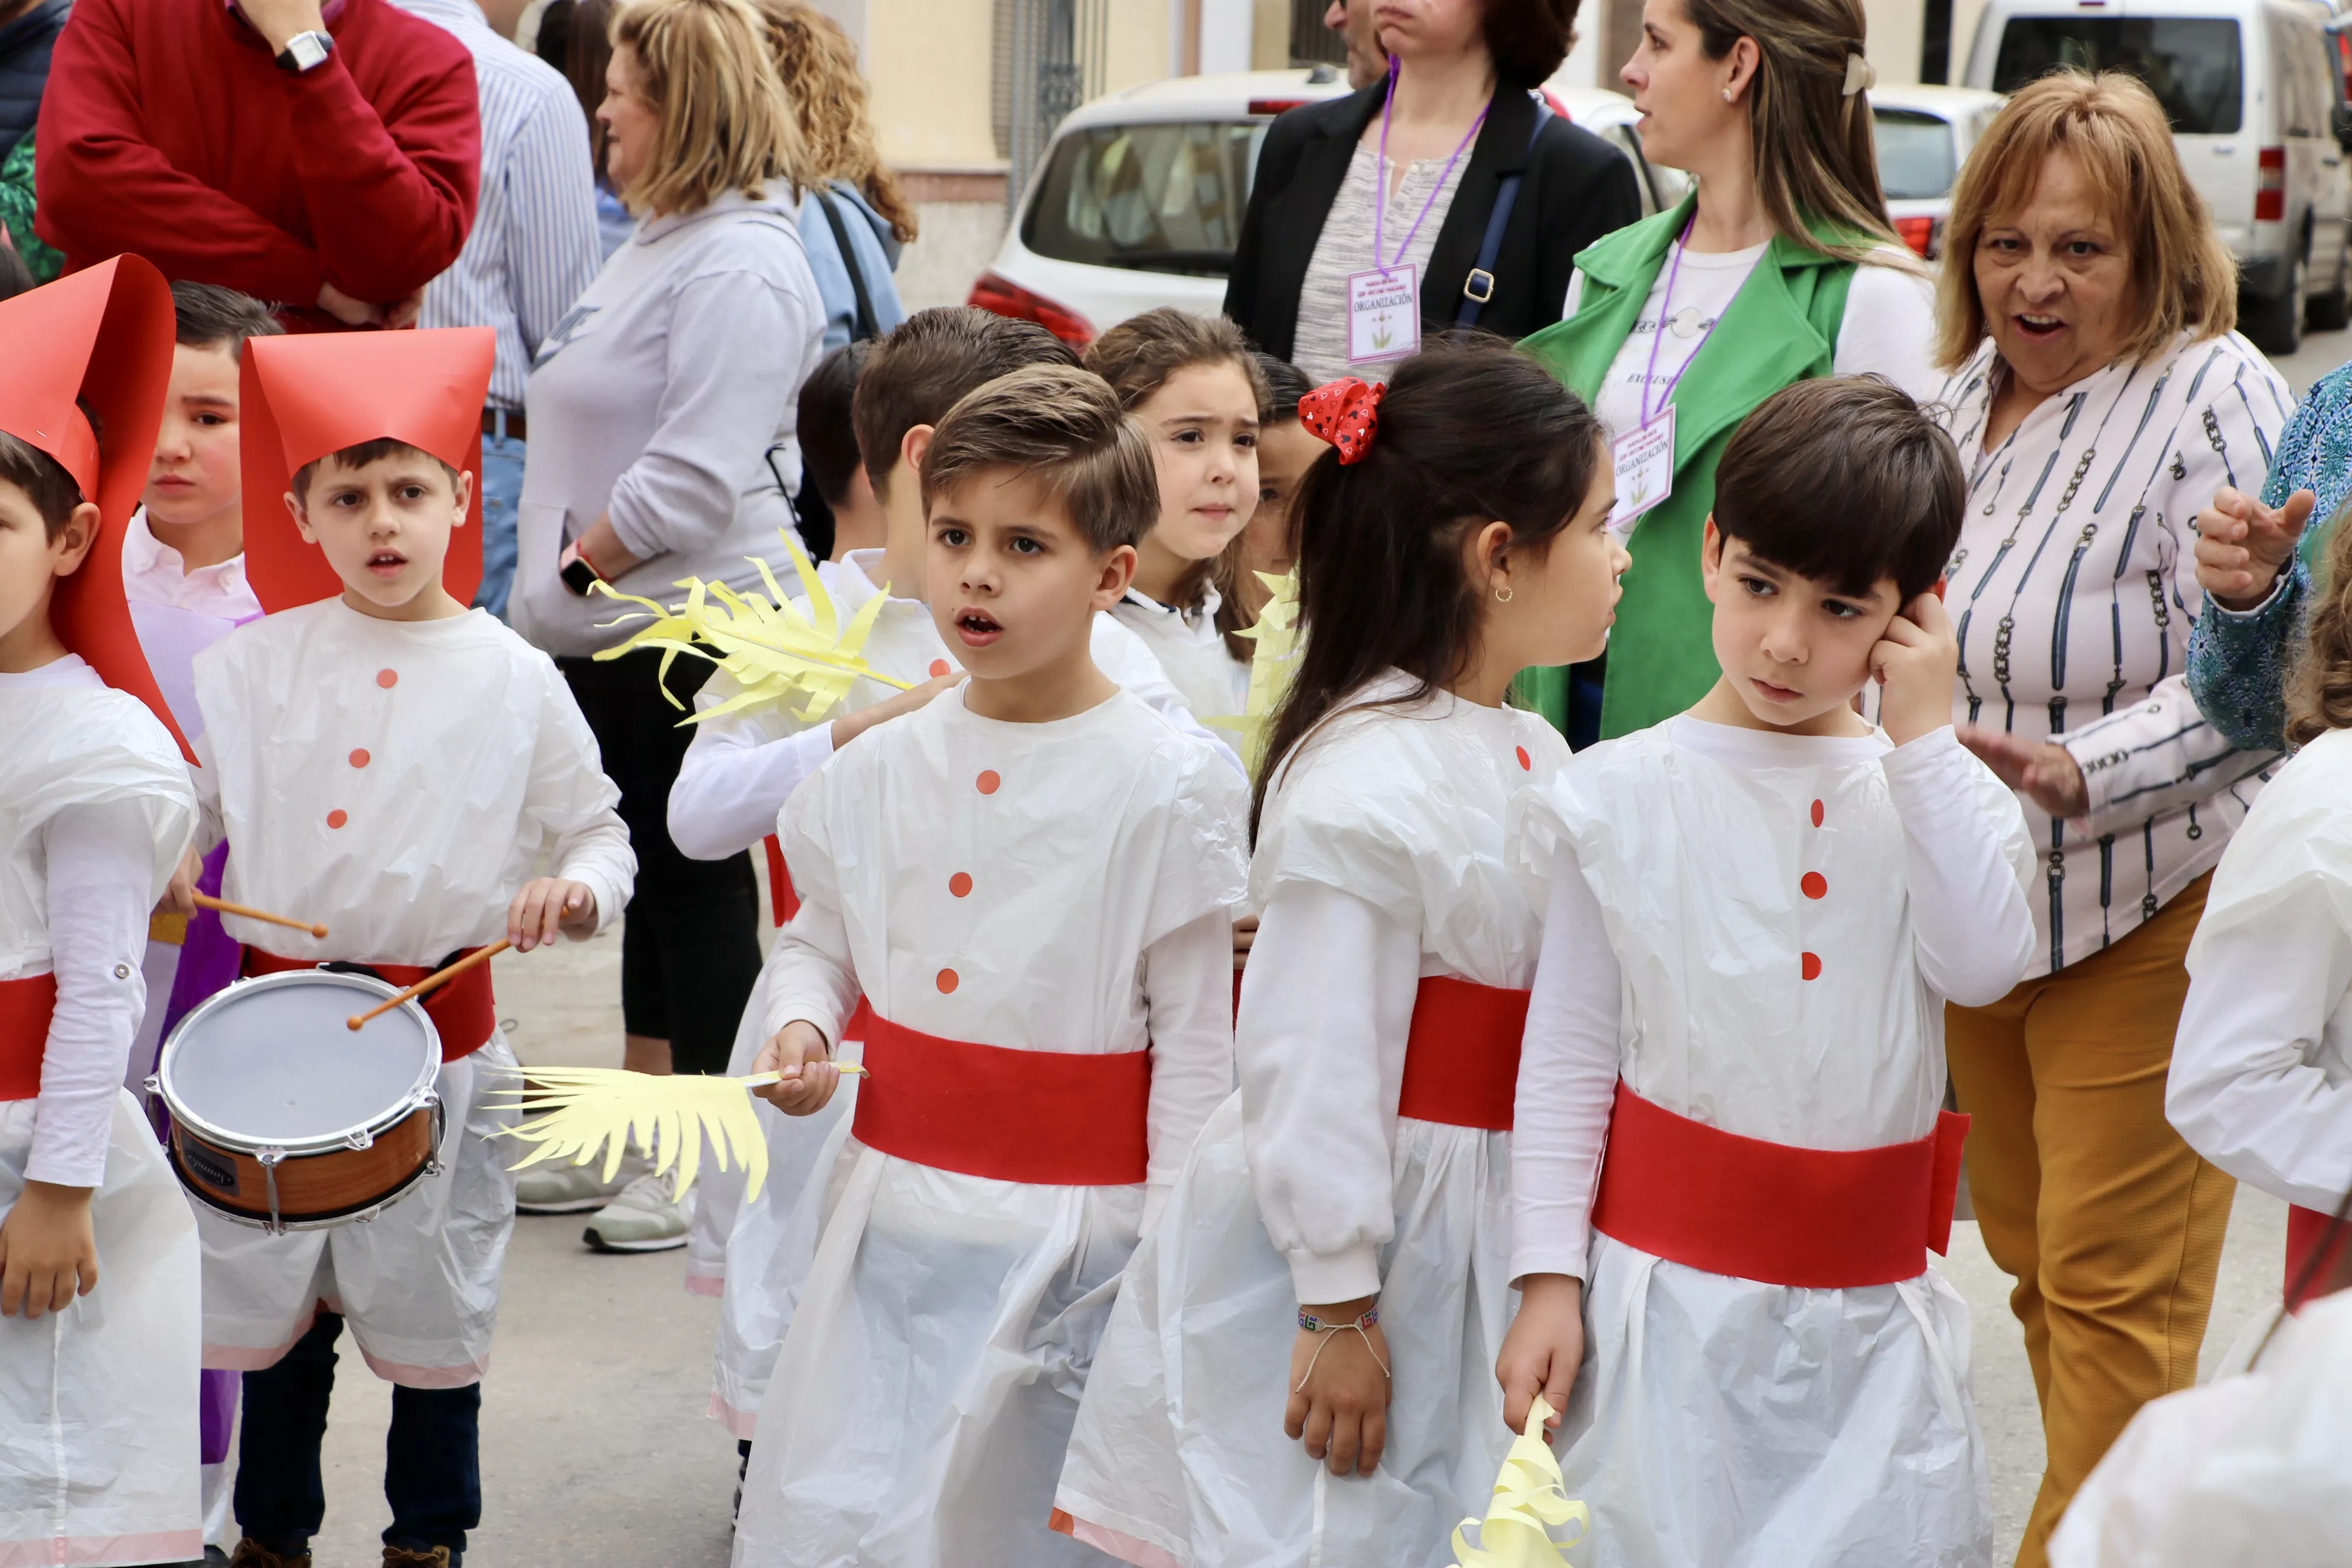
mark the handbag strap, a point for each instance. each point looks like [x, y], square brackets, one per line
[1481, 277]
[865, 328]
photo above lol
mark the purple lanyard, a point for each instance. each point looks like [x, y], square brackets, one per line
[1380, 186]
[1666, 314]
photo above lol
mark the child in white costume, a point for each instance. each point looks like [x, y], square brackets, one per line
[1345, 1216]
[1029, 880]
[1757, 912]
[98, 1261]
[1201, 395]
[392, 764]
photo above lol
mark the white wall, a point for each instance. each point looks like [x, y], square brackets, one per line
[1227, 27]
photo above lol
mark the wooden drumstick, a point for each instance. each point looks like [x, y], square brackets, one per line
[480, 955]
[221, 906]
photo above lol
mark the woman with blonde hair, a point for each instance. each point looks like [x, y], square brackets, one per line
[856, 218]
[663, 447]
[1780, 266]
[2098, 398]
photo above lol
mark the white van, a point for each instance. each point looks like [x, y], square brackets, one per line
[2256, 96]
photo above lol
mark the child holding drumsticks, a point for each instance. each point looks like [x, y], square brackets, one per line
[390, 763]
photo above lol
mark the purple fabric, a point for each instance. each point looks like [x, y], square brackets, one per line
[210, 957]
[218, 1415]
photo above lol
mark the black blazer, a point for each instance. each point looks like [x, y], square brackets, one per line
[1574, 188]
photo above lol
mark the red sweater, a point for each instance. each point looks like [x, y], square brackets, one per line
[168, 130]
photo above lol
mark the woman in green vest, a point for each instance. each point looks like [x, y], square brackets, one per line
[1780, 266]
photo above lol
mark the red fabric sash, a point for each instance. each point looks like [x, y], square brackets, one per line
[2306, 1232]
[784, 899]
[26, 1006]
[464, 1011]
[1049, 1117]
[1461, 1058]
[1819, 1218]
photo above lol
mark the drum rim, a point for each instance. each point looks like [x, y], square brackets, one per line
[317, 1143]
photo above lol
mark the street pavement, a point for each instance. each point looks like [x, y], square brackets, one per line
[596, 1450]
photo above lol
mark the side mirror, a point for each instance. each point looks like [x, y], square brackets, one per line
[2339, 122]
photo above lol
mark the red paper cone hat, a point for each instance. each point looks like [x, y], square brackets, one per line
[103, 335]
[304, 396]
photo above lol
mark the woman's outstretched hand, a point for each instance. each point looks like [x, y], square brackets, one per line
[2046, 772]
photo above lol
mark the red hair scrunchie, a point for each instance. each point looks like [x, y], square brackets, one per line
[1346, 413]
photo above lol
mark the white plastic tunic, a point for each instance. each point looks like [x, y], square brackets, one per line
[1191, 652]
[923, 1394]
[97, 1403]
[1759, 932]
[2262, 1068]
[1380, 861]
[397, 782]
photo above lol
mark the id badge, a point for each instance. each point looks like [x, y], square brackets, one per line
[1644, 461]
[1383, 313]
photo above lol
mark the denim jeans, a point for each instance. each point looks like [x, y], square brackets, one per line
[502, 493]
[431, 1460]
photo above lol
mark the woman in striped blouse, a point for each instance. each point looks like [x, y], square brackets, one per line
[2099, 398]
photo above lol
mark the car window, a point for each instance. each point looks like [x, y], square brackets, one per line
[1915, 155]
[2189, 62]
[1163, 198]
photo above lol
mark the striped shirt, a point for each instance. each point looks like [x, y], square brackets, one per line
[1319, 343]
[2073, 590]
[534, 248]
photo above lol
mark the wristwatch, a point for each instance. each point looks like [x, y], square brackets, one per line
[305, 50]
[577, 574]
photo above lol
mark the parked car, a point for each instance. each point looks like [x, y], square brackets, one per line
[1139, 200]
[2255, 90]
[1924, 135]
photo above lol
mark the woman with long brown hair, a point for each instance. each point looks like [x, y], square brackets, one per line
[1780, 266]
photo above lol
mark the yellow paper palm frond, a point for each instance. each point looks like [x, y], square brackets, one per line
[773, 650]
[578, 1113]
[1272, 664]
[1531, 1499]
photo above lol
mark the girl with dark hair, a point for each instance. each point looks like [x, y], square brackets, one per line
[1327, 1286]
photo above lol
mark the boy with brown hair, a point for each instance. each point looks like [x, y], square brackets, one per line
[1029, 880]
[97, 1397]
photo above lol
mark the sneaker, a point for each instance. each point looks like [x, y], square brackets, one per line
[251, 1553]
[563, 1188]
[404, 1557]
[647, 1216]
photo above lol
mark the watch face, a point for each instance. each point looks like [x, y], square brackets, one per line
[306, 51]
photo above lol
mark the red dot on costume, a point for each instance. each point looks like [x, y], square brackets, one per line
[961, 884]
[388, 679]
[947, 981]
[988, 783]
[358, 756]
[1816, 885]
[338, 817]
[1817, 813]
[1526, 763]
[939, 668]
[1811, 964]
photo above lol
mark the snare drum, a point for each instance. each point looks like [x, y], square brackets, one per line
[284, 1118]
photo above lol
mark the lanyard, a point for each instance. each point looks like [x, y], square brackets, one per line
[1666, 314]
[1380, 188]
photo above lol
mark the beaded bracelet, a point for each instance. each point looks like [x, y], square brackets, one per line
[1315, 1325]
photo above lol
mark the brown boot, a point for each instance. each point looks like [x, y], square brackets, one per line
[402, 1557]
[251, 1553]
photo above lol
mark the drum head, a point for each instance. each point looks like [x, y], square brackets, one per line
[271, 1062]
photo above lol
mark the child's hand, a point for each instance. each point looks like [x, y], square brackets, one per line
[548, 905]
[1245, 937]
[849, 726]
[1916, 663]
[2243, 546]
[48, 1253]
[1543, 1348]
[180, 897]
[799, 1053]
[1340, 1391]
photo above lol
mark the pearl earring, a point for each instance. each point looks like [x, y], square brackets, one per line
[1727, 95]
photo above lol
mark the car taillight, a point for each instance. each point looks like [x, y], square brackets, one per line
[1278, 105]
[1007, 298]
[2270, 185]
[1918, 233]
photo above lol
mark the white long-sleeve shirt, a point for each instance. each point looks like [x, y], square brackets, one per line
[398, 782]
[1737, 961]
[2262, 1068]
[740, 768]
[1380, 860]
[95, 808]
[1057, 887]
[2072, 596]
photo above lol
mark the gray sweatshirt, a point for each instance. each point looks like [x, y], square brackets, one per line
[667, 397]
